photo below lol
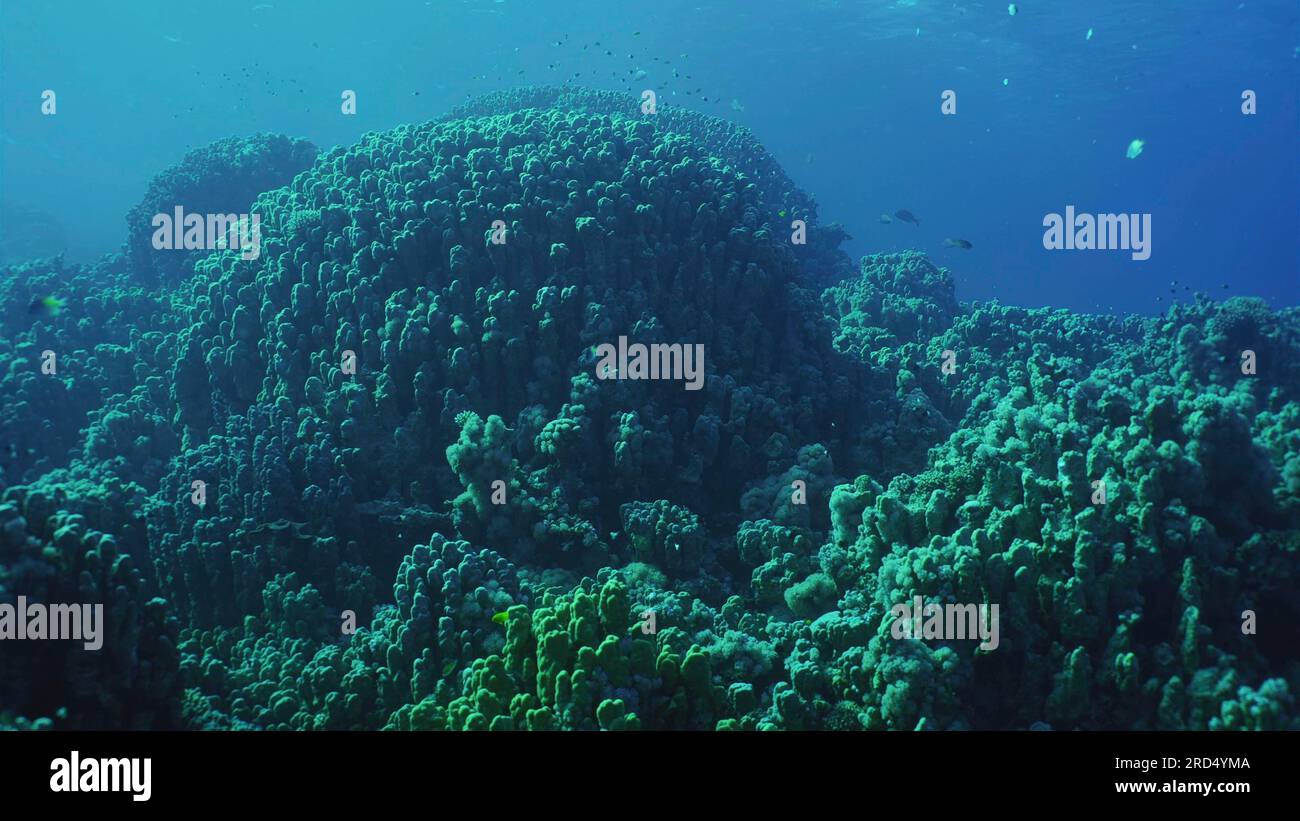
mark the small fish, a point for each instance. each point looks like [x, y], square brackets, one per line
[781, 213]
[501, 618]
[885, 219]
[1088, 36]
[1012, 10]
[907, 216]
[736, 106]
[46, 306]
[957, 243]
[1134, 149]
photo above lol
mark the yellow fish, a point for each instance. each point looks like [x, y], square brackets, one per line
[46, 306]
[501, 618]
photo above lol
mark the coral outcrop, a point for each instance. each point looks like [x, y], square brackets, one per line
[377, 476]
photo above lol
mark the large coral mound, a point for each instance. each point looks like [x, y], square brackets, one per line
[403, 386]
[821, 260]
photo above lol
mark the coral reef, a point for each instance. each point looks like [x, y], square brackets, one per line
[238, 456]
[222, 177]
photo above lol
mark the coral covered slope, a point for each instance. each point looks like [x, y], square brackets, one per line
[396, 417]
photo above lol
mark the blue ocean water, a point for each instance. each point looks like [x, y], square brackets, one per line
[847, 95]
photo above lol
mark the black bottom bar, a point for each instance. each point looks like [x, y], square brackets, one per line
[241, 771]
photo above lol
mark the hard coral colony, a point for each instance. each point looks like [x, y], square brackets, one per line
[240, 457]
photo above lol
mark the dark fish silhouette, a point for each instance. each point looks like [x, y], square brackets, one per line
[957, 243]
[907, 216]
